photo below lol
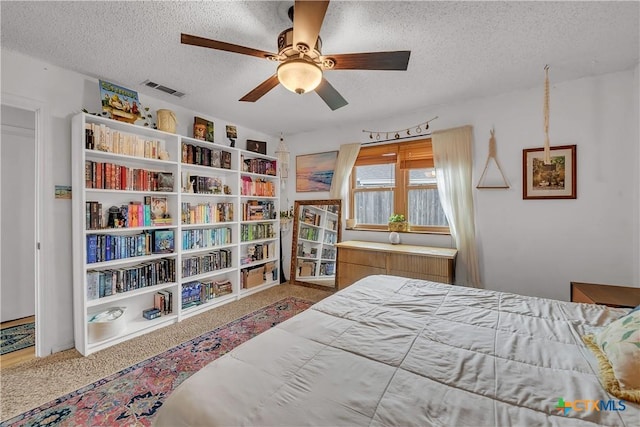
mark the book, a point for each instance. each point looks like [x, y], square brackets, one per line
[225, 160]
[163, 241]
[215, 158]
[199, 128]
[159, 208]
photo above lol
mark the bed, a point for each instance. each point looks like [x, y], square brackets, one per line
[392, 351]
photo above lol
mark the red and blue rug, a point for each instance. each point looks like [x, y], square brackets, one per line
[134, 395]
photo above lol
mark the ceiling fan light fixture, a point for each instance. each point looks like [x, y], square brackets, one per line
[299, 75]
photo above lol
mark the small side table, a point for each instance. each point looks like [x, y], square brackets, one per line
[613, 296]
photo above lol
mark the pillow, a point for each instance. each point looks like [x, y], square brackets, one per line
[617, 348]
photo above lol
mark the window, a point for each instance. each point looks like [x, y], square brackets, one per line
[397, 178]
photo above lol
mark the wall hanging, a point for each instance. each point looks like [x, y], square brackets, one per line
[491, 179]
[553, 180]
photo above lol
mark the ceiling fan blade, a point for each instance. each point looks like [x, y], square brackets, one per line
[330, 95]
[397, 60]
[215, 44]
[307, 20]
[261, 89]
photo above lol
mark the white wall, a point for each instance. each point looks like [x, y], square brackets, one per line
[536, 247]
[530, 247]
[66, 93]
[18, 217]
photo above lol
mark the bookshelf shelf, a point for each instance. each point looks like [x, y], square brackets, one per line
[120, 169]
[129, 294]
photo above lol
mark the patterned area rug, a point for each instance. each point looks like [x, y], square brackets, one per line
[134, 395]
[18, 337]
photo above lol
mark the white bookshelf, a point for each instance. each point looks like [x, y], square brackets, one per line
[317, 234]
[195, 234]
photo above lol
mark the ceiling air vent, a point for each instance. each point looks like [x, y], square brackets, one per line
[163, 88]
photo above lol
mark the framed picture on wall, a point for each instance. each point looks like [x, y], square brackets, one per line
[314, 172]
[556, 180]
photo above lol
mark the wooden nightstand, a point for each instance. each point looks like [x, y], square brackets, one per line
[613, 296]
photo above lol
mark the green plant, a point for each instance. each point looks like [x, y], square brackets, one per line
[397, 218]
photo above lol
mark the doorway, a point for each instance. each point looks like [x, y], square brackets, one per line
[19, 231]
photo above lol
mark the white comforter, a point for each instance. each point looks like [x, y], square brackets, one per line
[390, 351]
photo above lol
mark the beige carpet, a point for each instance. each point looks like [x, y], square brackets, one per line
[36, 382]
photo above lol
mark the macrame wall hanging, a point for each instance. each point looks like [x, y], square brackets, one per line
[492, 180]
[547, 149]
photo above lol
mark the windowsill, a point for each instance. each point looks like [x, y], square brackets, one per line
[381, 230]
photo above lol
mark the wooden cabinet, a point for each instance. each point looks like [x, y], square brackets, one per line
[358, 259]
[613, 296]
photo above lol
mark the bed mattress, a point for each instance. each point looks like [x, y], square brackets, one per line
[392, 351]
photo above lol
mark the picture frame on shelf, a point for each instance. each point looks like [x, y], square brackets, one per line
[259, 147]
[232, 131]
[556, 180]
[203, 129]
[314, 172]
[121, 103]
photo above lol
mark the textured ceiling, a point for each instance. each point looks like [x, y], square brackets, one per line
[459, 50]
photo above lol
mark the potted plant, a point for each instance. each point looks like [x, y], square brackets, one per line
[397, 222]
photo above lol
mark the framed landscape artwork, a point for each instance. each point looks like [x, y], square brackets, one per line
[556, 180]
[314, 172]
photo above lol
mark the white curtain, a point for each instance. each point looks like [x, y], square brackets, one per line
[346, 159]
[452, 156]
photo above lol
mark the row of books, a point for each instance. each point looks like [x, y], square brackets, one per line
[202, 184]
[105, 283]
[330, 238]
[211, 261]
[331, 224]
[199, 292]
[309, 217]
[152, 212]
[262, 166]
[206, 213]
[308, 233]
[203, 156]
[101, 137]
[259, 187]
[249, 232]
[204, 238]
[328, 253]
[111, 176]
[107, 247]
[163, 302]
[253, 210]
[258, 251]
[327, 268]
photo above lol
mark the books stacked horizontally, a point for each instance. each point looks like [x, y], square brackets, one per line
[201, 291]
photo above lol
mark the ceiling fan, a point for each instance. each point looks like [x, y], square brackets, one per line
[301, 60]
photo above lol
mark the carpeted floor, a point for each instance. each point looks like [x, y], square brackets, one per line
[16, 338]
[135, 394]
[36, 382]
